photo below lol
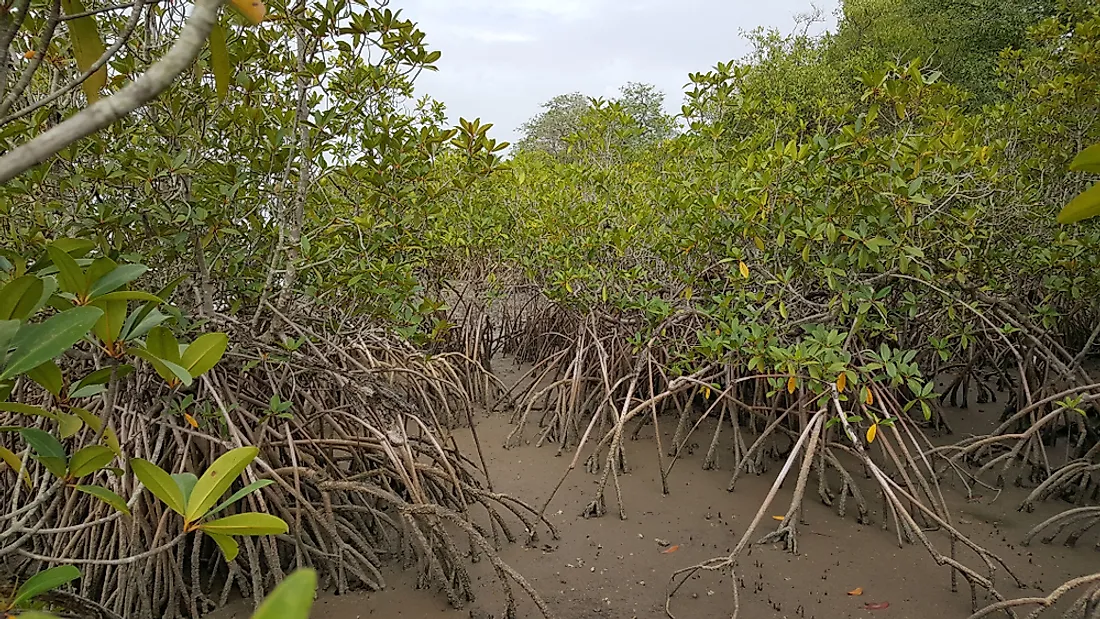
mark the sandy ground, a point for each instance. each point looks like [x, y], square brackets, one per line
[616, 569]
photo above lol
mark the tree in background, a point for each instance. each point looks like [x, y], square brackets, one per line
[962, 38]
[639, 106]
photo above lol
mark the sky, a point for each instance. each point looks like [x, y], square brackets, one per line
[503, 58]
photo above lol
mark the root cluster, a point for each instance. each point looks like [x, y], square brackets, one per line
[366, 474]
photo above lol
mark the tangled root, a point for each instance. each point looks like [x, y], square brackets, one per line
[365, 471]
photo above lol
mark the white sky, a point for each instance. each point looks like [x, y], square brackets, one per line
[503, 58]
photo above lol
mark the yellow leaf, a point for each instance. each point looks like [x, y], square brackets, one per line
[870, 397]
[219, 60]
[252, 10]
[1083, 206]
[191, 420]
[706, 393]
[872, 432]
[30, 53]
[856, 591]
[759, 242]
[670, 549]
[841, 381]
[87, 47]
[791, 384]
[779, 518]
[744, 268]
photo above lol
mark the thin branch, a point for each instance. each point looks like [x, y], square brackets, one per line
[103, 113]
[39, 55]
[100, 62]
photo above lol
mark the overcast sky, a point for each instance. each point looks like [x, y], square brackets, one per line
[503, 58]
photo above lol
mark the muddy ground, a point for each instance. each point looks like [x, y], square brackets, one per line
[614, 569]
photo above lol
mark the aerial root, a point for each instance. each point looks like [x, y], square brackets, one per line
[1083, 517]
[357, 416]
[1086, 607]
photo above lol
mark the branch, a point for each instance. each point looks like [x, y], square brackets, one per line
[39, 54]
[136, 94]
[83, 77]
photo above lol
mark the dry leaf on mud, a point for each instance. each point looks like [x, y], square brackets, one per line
[856, 591]
[670, 549]
[876, 605]
[779, 518]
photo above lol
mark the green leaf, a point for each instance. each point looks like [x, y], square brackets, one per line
[1084, 206]
[186, 483]
[217, 479]
[26, 409]
[48, 450]
[69, 274]
[46, 580]
[89, 460]
[74, 247]
[240, 494]
[1087, 160]
[87, 391]
[227, 544]
[219, 60]
[248, 523]
[204, 353]
[87, 47]
[129, 295]
[68, 425]
[107, 497]
[97, 269]
[292, 599]
[167, 370]
[164, 293]
[98, 378]
[109, 326]
[48, 375]
[117, 278]
[139, 324]
[159, 483]
[15, 463]
[19, 297]
[95, 423]
[163, 344]
[8, 329]
[36, 344]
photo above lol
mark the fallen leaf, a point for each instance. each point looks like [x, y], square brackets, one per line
[744, 268]
[30, 53]
[876, 605]
[779, 518]
[670, 549]
[191, 420]
[856, 591]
